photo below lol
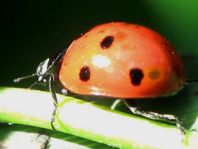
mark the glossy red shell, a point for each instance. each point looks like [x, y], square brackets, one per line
[133, 46]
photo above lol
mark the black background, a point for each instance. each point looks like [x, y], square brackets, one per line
[31, 31]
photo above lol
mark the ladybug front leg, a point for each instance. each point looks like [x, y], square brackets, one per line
[51, 79]
[156, 116]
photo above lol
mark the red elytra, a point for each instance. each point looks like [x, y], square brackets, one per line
[122, 60]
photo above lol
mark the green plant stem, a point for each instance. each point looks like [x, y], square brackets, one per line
[84, 119]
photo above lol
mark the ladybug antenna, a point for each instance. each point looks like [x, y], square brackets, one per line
[25, 77]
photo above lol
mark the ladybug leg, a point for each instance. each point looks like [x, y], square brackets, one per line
[32, 85]
[51, 79]
[115, 104]
[156, 116]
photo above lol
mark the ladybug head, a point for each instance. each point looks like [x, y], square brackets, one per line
[43, 69]
[46, 68]
[41, 72]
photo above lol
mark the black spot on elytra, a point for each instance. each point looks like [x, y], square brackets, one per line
[136, 76]
[107, 42]
[84, 73]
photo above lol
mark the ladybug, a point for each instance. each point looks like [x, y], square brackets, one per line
[118, 60]
[123, 61]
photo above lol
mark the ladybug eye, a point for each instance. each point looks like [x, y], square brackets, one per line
[84, 73]
[136, 76]
[106, 42]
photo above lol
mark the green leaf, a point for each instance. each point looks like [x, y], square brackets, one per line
[99, 123]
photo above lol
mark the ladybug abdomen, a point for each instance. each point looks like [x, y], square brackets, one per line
[122, 61]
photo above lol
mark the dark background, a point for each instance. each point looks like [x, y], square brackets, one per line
[31, 31]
